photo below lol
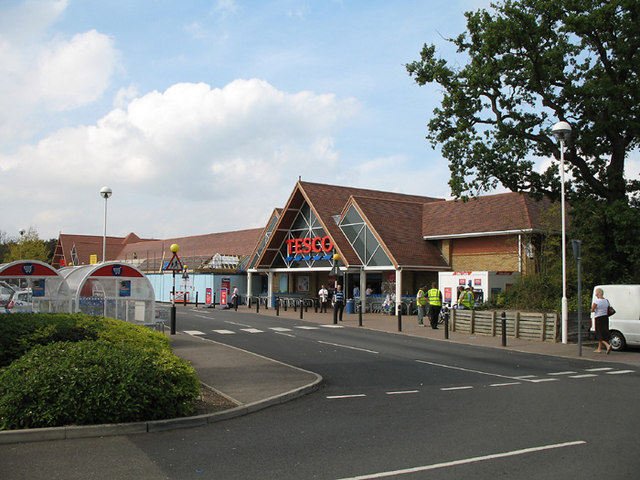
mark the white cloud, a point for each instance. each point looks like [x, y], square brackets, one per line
[42, 73]
[191, 157]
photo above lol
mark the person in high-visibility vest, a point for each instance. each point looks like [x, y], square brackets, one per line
[435, 305]
[466, 299]
[421, 303]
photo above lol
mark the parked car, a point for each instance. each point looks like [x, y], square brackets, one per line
[22, 301]
[6, 292]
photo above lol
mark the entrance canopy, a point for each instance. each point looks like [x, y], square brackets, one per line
[49, 291]
[111, 289]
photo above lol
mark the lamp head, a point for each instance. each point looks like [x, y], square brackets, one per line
[561, 131]
[174, 248]
[105, 192]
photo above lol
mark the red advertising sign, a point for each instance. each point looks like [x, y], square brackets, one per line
[223, 296]
[308, 245]
[207, 296]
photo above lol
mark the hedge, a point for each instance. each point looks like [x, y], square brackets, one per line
[81, 370]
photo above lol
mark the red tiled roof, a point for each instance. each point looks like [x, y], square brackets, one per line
[491, 214]
[398, 228]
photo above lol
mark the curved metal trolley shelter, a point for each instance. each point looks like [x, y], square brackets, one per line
[49, 291]
[111, 289]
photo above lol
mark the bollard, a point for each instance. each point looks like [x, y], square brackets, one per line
[285, 305]
[214, 300]
[196, 299]
[399, 320]
[301, 309]
[504, 329]
[295, 305]
[258, 305]
[360, 317]
[446, 327]
[277, 307]
[173, 319]
[248, 302]
[184, 299]
[335, 315]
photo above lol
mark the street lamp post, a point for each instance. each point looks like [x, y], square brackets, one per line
[21, 232]
[172, 325]
[105, 192]
[561, 131]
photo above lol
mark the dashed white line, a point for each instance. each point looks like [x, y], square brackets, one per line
[619, 372]
[337, 397]
[447, 389]
[493, 456]
[403, 392]
[348, 346]
[252, 330]
[280, 329]
[332, 326]
[568, 372]
[305, 327]
[584, 375]
[224, 332]
[505, 384]
[541, 380]
[194, 332]
[600, 369]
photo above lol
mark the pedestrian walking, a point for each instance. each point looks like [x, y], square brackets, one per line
[421, 303]
[323, 296]
[338, 304]
[600, 310]
[435, 305]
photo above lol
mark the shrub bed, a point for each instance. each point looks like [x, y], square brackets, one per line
[79, 369]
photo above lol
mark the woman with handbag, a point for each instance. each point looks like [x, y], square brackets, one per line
[600, 310]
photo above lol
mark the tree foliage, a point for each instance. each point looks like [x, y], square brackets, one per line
[532, 63]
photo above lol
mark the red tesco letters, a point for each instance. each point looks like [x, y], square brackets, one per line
[308, 245]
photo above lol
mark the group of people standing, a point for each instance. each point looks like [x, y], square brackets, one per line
[429, 303]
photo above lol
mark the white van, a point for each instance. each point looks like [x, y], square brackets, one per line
[624, 325]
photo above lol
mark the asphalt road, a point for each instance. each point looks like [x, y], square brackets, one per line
[392, 406]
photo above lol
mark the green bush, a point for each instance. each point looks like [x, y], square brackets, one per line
[20, 332]
[93, 382]
[62, 369]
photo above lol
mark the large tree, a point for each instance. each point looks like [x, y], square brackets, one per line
[530, 64]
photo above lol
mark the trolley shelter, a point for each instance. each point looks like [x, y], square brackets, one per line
[49, 291]
[111, 289]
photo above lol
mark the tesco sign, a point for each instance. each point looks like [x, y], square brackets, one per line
[309, 244]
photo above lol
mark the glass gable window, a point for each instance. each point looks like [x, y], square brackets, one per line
[263, 242]
[362, 240]
[305, 225]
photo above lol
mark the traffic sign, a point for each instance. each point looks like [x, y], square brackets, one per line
[174, 264]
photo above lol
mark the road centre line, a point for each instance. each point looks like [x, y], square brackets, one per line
[504, 384]
[348, 346]
[568, 372]
[448, 389]
[465, 461]
[337, 397]
[618, 372]
[403, 392]
[584, 375]
[526, 378]
[600, 369]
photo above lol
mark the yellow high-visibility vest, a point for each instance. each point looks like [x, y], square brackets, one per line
[434, 297]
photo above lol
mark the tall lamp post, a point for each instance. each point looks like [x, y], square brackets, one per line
[105, 192]
[561, 131]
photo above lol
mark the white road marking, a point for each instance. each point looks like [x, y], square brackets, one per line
[525, 377]
[584, 375]
[464, 461]
[504, 384]
[356, 395]
[541, 380]
[332, 326]
[194, 332]
[447, 389]
[348, 346]
[252, 330]
[304, 327]
[224, 332]
[280, 329]
[403, 392]
[600, 369]
[568, 372]
[619, 372]
[237, 323]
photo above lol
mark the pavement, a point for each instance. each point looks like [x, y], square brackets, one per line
[255, 382]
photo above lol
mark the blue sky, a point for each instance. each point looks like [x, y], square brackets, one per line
[201, 115]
